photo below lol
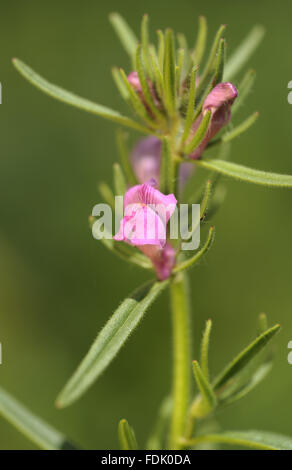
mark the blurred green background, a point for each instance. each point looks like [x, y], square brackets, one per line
[58, 285]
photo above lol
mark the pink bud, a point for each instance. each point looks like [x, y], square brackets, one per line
[134, 81]
[219, 102]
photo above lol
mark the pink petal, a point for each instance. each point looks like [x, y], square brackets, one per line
[145, 194]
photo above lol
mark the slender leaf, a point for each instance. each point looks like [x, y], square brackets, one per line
[161, 49]
[260, 440]
[120, 83]
[122, 250]
[33, 427]
[125, 34]
[125, 157]
[191, 106]
[201, 41]
[156, 440]
[166, 172]
[206, 198]
[179, 68]
[241, 128]
[220, 61]
[75, 100]
[205, 349]
[244, 88]
[193, 260]
[187, 62]
[120, 183]
[208, 397]
[245, 357]
[169, 72]
[158, 78]
[240, 391]
[127, 436]
[109, 341]
[199, 134]
[241, 55]
[145, 87]
[212, 55]
[244, 173]
[262, 323]
[137, 104]
[106, 193]
[145, 44]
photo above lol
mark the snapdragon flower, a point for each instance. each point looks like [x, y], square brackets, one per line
[146, 214]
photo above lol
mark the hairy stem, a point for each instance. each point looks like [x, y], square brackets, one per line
[181, 359]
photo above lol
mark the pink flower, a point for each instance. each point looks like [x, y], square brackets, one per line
[146, 215]
[146, 160]
[219, 102]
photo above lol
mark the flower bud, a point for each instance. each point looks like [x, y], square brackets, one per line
[134, 81]
[219, 102]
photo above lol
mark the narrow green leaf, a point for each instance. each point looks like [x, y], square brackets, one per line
[110, 340]
[220, 62]
[260, 440]
[187, 62]
[244, 173]
[136, 102]
[245, 357]
[239, 391]
[169, 72]
[262, 323]
[212, 55]
[75, 100]
[205, 349]
[120, 183]
[201, 41]
[241, 128]
[244, 88]
[199, 134]
[106, 193]
[178, 69]
[208, 398]
[120, 83]
[122, 250]
[156, 440]
[33, 427]
[193, 260]
[125, 157]
[206, 198]
[241, 55]
[218, 198]
[145, 87]
[126, 436]
[191, 106]
[161, 48]
[158, 78]
[124, 33]
[145, 44]
[166, 171]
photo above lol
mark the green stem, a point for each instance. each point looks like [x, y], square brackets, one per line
[181, 357]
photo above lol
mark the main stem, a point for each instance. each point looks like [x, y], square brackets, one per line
[180, 306]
